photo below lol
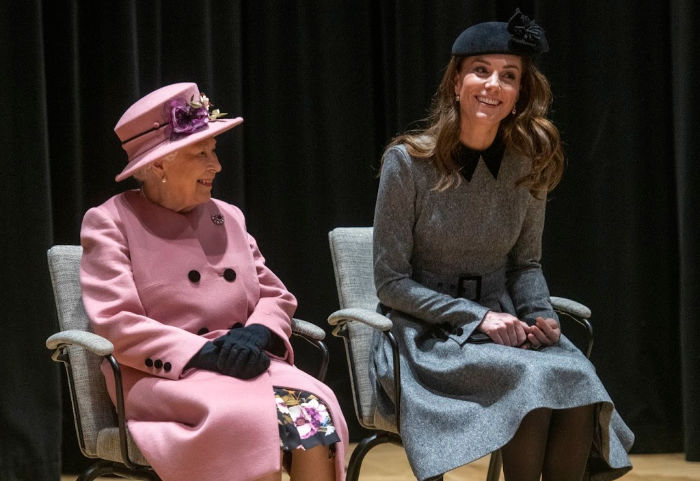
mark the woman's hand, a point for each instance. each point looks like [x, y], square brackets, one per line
[242, 360]
[504, 328]
[241, 351]
[206, 358]
[545, 332]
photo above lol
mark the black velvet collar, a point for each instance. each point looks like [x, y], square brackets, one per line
[467, 158]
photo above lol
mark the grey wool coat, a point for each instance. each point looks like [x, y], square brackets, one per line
[442, 261]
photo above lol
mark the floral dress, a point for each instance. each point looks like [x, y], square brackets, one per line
[304, 422]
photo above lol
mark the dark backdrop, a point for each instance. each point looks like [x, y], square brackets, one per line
[323, 85]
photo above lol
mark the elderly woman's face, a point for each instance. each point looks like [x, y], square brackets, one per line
[488, 86]
[190, 175]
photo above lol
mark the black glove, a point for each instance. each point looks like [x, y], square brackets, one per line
[253, 334]
[242, 351]
[205, 358]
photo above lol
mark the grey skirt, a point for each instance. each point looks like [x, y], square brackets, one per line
[462, 401]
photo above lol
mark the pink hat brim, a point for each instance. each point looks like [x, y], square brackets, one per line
[212, 129]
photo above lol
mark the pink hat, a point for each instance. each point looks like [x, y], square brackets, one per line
[167, 120]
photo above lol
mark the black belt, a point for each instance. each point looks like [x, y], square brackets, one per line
[467, 286]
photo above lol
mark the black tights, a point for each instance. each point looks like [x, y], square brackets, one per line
[551, 443]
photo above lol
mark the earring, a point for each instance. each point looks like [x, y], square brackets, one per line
[457, 98]
[514, 110]
[163, 180]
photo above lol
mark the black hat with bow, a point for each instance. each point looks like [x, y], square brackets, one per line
[519, 36]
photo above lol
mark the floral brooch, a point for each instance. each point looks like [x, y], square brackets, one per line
[189, 117]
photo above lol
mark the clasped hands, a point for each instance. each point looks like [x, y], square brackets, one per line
[508, 330]
[239, 353]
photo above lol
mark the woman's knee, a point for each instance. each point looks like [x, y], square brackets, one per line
[317, 463]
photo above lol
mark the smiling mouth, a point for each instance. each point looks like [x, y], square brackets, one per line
[488, 101]
[207, 183]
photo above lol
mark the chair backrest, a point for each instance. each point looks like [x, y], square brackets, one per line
[92, 408]
[351, 250]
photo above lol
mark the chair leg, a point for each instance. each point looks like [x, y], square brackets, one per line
[96, 470]
[495, 463]
[104, 467]
[363, 448]
[145, 474]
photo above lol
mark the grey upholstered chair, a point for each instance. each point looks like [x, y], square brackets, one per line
[101, 432]
[355, 322]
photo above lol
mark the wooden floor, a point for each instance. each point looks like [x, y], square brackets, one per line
[388, 463]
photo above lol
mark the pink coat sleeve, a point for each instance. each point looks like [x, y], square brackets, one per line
[113, 305]
[275, 305]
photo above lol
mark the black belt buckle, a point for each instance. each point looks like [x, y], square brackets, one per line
[469, 287]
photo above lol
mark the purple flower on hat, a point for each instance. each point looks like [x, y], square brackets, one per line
[186, 118]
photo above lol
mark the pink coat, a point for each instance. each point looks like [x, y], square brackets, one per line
[160, 284]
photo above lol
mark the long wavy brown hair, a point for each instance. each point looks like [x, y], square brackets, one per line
[529, 132]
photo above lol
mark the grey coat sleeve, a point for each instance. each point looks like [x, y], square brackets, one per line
[394, 221]
[526, 283]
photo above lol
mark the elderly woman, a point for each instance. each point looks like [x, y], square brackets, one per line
[457, 242]
[199, 324]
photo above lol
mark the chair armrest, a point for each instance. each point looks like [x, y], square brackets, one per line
[370, 318]
[306, 329]
[90, 341]
[578, 313]
[314, 335]
[571, 307]
[340, 319]
[102, 347]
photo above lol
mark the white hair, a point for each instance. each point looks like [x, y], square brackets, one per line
[142, 174]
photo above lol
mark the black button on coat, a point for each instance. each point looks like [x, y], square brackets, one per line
[230, 275]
